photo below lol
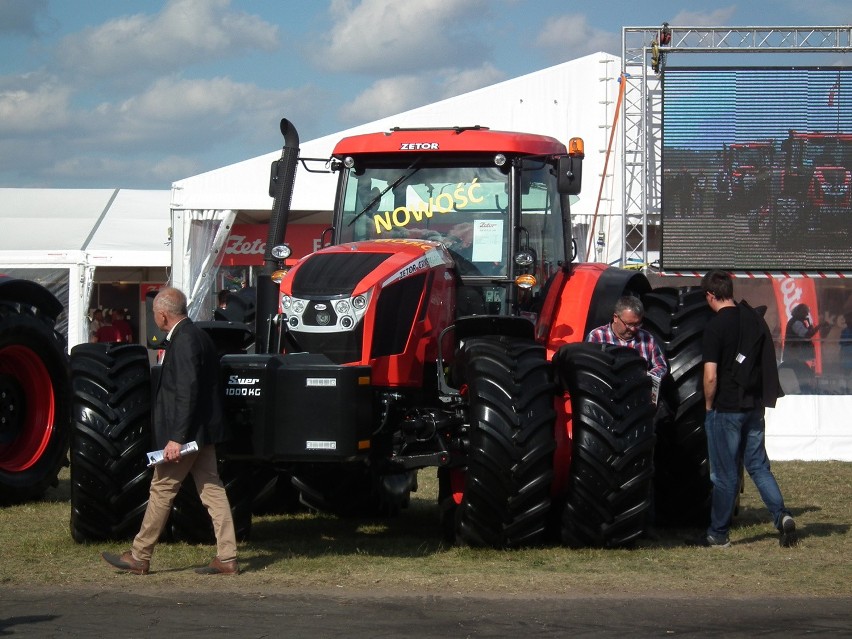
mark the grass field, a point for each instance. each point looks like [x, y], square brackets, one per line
[405, 554]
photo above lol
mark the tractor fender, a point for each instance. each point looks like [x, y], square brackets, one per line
[581, 299]
[29, 294]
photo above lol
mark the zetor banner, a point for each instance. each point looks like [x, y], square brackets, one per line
[789, 293]
[247, 242]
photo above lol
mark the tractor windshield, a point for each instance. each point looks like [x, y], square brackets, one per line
[465, 207]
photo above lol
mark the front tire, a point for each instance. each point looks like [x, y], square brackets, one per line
[110, 480]
[506, 500]
[609, 490]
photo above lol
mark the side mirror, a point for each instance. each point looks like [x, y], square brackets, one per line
[273, 178]
[569, 177]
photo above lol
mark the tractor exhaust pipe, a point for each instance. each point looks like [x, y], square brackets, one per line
[282, 179]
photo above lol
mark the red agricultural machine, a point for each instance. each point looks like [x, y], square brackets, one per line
[34, 391]
[816, 187]
[441, 326]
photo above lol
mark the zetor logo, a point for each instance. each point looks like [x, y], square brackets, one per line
[419, 146]
[236, 380]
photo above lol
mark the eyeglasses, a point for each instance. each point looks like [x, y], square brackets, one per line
[632, 325]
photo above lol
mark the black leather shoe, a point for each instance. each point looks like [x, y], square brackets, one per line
[218, 567]
[126, 562]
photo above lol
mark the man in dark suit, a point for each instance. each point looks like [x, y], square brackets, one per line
[187, 407]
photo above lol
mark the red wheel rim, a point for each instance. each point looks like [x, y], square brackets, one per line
[36, 427]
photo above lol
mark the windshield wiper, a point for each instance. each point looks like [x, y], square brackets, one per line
[402, 178]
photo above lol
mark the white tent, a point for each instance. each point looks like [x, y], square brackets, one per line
[60, 236]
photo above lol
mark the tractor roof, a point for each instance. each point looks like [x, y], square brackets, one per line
[453, 139]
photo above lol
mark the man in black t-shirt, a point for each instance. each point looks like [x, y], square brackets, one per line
[740, 381]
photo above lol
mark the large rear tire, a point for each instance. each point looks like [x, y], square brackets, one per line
[609, 489]
[506, 500]
[189, 520]
[34, 397]
[110, 479]
[682, 489]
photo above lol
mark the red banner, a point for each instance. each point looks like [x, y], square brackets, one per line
[247, 242]
[789, 293]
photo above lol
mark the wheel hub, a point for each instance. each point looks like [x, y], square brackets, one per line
[12, 410]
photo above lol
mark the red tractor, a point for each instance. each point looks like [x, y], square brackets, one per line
[34, 391]
[816, 188]
[441, 326]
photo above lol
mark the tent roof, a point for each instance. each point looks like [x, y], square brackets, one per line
[562, 101]
[117, 227]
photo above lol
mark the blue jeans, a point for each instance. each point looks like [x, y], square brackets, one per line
[734, 438]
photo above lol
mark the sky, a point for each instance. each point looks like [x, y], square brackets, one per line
[120, 94]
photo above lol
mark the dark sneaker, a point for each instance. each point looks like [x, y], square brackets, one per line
[708, 541]
[789, 538]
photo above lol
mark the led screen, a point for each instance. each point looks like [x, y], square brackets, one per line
[756, 169]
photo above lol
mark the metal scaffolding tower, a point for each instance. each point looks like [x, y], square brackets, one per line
[643, 50]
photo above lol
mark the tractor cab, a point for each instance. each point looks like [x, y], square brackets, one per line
[491, 198]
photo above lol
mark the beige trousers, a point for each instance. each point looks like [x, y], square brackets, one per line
[164, 488]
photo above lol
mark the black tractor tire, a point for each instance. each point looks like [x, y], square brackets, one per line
[510, 393]
[111, 433]
[682, 488]
[189, 520]
[612, 456]
[353, 490]
[35, 404]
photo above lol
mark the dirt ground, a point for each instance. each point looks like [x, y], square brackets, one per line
[226, 611]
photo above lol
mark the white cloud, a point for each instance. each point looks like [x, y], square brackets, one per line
[115, 170]
[184, 32]
[376, 35]
[25, 110]
[570, 36]
[385, 97]
[721, 16]
[201, 114]
[173, 129]
[840, 11]
[404, 92]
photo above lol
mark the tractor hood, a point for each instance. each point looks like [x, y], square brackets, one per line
[382, 303]
[354, 268]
